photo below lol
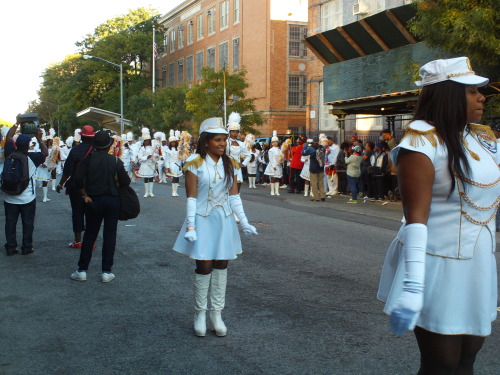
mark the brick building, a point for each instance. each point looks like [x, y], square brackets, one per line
[327, 19]
[262, 36]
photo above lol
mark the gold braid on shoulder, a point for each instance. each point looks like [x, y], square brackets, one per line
[483, 131]
[416, 137]
[193, 164]
[236, 165]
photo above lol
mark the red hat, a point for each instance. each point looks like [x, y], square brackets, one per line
[302, 139]
[87, 131]
[354, 137]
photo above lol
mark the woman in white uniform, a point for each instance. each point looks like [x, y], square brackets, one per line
[43, 174]
[235, 148]
[147, 156]
[210, 233]
[275, 169]
[439, 276]
[173, 163]
[253, 160]
[306, 173]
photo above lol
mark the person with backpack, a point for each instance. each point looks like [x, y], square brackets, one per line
[19, 188]
[316, 169]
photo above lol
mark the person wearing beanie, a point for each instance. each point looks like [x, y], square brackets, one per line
[316, 168]
[439, 279]
[24, 202]
[75, 156]
[96, 179]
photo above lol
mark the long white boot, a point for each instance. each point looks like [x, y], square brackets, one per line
[272, 188]
[201, 284]
[253, 183]
[217, 301]
[306, 190]
[146, 189]
[175, 186]
[45, 193]
[53, 185]
[151, 189]
[277, 188]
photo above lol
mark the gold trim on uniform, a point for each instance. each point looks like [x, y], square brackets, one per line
[416, 137]
[196, 163]
[236, 165]
[477, 222]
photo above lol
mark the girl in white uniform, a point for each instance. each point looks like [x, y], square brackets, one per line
[147, 156]
[253, 160]
[274, 169]
[43, 174]
[439, 277]
[306, 173]
[210, 233]
[173, 163]
[235, 148]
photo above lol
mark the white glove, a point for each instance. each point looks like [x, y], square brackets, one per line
[405, 314]
[190, 219]
[237, 207]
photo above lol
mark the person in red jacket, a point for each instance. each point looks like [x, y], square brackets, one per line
[296, 183]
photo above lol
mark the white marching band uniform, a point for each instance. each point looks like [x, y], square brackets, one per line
[460, 269]
[238, 152]
[148, 164]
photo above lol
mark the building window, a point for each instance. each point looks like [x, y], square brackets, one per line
[236, 54]
[297, 92]
[224, 14]
[181, 37]
[163, 76]
[171, 74]
[189, 68]
[296, 46]
[199, 64]
[165, 42]
[200, 24]
[223, 55]
[326, 121]
[172, 41]
[190, 32]
[211, 57]
[211, 21]
[236, 11]
[157, 72]
[331, 15]
[180, 71]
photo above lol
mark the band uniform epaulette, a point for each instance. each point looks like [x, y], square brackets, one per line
[236, 165]
[416, 137]
[193, 164]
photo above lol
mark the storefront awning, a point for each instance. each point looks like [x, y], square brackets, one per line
[106, 119]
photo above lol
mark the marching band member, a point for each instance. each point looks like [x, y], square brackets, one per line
[147, 158]
[54, 161]
[274, 169]
[235, 148]
[306, 173]
[213, 197]
[5, 130]
[43, 175]
[160, 162]
[253, 162]
[172, 162]
[133, 148]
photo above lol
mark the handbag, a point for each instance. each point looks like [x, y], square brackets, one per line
[129, 201]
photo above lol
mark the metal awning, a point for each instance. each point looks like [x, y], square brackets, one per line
[381, 32]
[106, 119]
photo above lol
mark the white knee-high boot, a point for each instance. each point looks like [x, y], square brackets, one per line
[217, 301]
[306, 190]
[175, 186]
[201, 285]
[151, 189]
[253, 183]
[146, 189]
[277, 188]
[53, 185]
[272, 188]
[45, 192]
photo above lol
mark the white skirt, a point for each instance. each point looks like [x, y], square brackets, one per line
[271, 172]
[460, 296]
[218, 237]
[146, 170]
[175, 169]
[42, 174]
[305, 173]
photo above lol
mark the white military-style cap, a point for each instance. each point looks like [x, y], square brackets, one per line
[130, 136]
[457, 69]
[214, 125]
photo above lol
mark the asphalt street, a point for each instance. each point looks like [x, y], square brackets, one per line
[300, 299]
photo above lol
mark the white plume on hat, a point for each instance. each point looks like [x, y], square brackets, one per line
[275, 136]
[44, 135]
[130, 136]
[123, 136]
[178, 134]
[157, 135]
[234, 121]
[51, 134]
[77, 136]
[249, 141]
[145, 134]
[69, 141]
[323, 141]
[163, 137]
[171, 137]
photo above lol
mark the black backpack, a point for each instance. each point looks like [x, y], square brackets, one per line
[15, 175]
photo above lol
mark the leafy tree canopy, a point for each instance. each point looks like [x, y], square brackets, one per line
[207, 99]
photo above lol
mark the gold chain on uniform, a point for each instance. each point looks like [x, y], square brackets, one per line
[468, 200]
[474, 221]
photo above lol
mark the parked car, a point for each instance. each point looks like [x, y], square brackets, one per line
[282, 138]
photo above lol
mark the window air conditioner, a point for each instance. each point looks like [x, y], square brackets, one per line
[360, 9]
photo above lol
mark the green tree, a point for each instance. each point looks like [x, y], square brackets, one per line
[465, 28]
[206, 100]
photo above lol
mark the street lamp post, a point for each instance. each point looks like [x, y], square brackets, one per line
[121, 86]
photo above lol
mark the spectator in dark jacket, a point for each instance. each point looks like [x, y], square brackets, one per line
[95, 179]
[23, 204]
[316, 168]
[341, 168]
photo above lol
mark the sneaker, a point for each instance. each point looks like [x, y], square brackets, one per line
[107, 277]
[352, 201]
[75, 245]
[79, 275]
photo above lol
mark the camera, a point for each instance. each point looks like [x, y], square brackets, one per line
[29, 122]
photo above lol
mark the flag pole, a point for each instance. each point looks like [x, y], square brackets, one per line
[154, 60]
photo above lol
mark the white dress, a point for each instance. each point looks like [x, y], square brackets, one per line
[252, 165]
[147, 169]
[460, 294]
[305, 173]
[216, 228]
[173, 163]
[274, 168]
[43, 173]
[239, 153]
